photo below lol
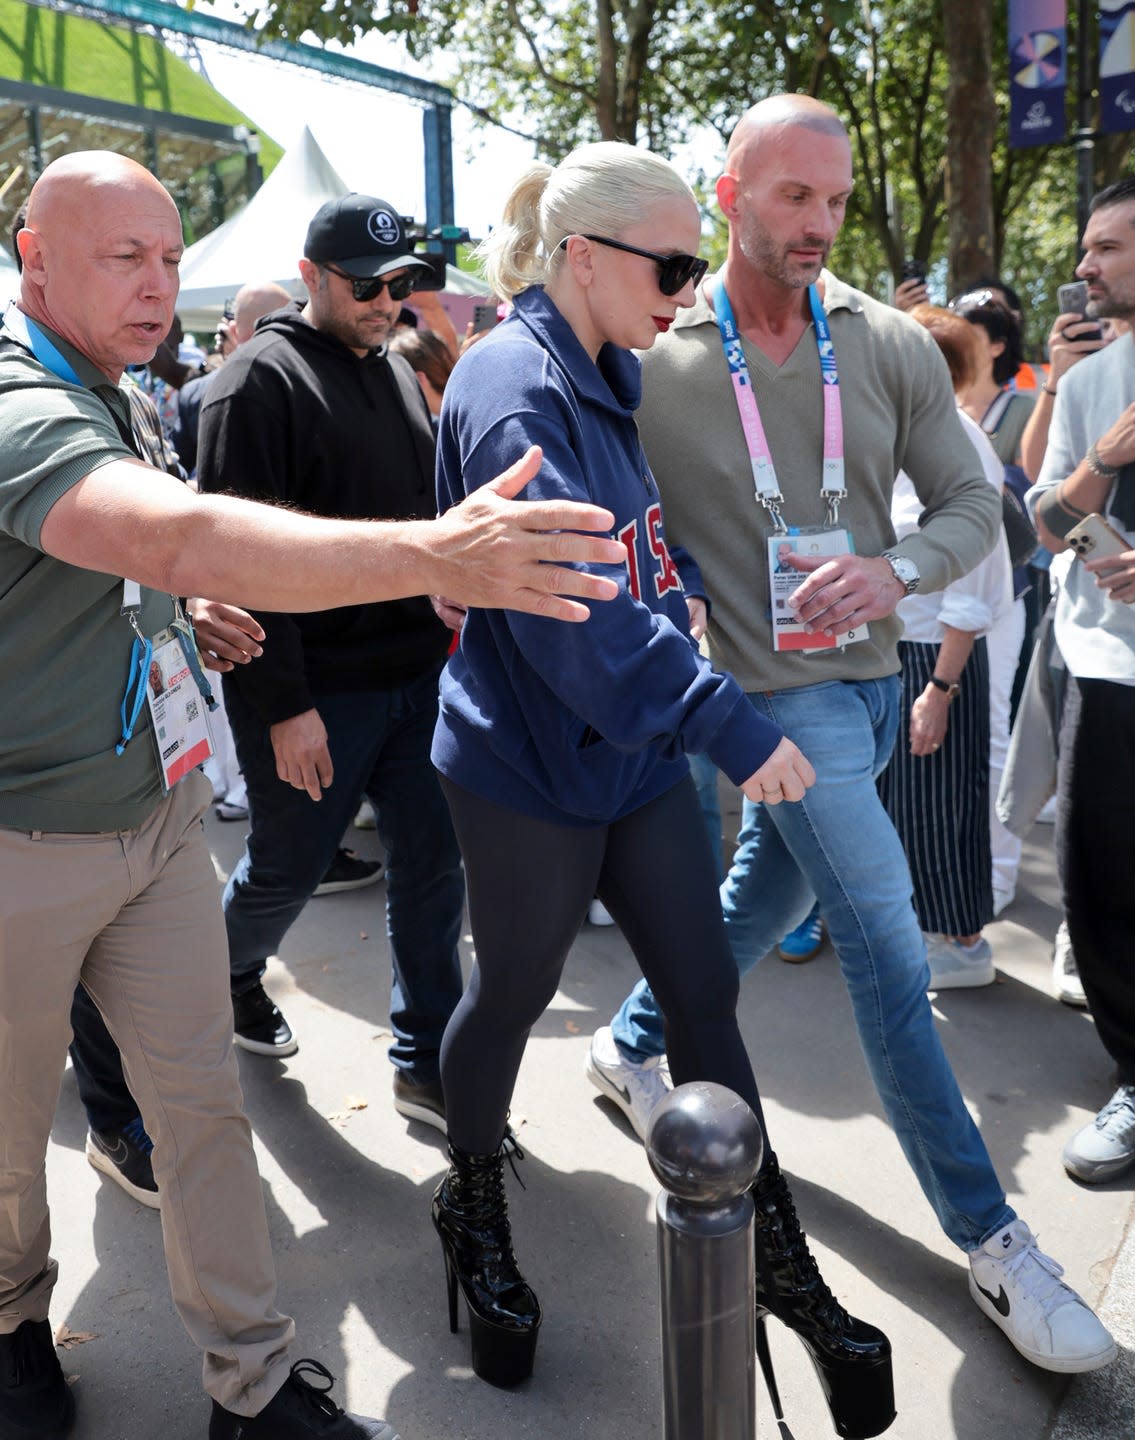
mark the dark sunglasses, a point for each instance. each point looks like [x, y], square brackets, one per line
[674, 271]
[401, 287]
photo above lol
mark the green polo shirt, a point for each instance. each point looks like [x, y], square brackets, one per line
[64, 645]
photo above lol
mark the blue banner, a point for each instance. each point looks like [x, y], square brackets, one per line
[1037, 71]
[1117, 65]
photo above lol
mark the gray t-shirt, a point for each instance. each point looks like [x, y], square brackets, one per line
[64, 645]
[1096, 634]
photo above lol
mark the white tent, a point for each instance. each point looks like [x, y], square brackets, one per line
[264, 241]
[9, 278]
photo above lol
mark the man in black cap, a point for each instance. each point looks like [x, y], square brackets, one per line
[312, 413]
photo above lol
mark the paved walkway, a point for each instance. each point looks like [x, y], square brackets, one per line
[348, 1182]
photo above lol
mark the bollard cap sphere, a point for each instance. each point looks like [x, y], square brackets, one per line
[704, 1143]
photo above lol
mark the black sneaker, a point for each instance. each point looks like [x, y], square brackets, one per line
[349, 871]
[423, 1102]
[258, 1026]
[426, 1102]
[35, 1401]
[298, 1411]
[124, 1155]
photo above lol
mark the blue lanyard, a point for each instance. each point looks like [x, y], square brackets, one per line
[765, 482]
[49, 355]
[141, 653]
[42, 346]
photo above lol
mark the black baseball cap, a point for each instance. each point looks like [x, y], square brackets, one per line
[362, 235]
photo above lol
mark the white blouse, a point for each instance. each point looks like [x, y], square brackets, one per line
[976, 601]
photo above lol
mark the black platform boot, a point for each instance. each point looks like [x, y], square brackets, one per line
[470, 1212]
[852, 1358]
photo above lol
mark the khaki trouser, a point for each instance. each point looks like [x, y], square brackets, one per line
[135, 915]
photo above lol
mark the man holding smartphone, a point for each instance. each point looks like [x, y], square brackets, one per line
[1089, 469]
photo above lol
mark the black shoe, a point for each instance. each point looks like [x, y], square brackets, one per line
[258, 1026]
[851, 1358]
[349, 871]
[297, 1411]
[35, 1401]
[423, 1102]
[470, 1212]
[124, 1155]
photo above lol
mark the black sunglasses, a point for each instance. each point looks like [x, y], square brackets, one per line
[401, 287]
[674, 271]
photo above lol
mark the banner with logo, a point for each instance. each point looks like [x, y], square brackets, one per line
[1037, 70]
[1117, 65]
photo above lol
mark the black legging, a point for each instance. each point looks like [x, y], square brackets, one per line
[529, 884]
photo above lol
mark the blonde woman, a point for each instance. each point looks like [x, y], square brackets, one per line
[563, 757]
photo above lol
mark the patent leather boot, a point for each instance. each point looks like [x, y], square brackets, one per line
[852, 1358]
[470, 1212]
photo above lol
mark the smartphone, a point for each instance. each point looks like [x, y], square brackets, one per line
[913, 270]
[1073, 299]
[484, 316]
[1093, 538]
[436, 279]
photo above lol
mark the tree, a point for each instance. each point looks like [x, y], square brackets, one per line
[971, 126]
[916, 81]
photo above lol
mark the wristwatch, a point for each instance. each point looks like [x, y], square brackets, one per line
[905, 570]
[950, 688]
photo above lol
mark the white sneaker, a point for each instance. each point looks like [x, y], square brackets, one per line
[1106, 1145]
[954, 966]
[635, 1087]
[1019, 1288]
[1066, 983]
[598, 914]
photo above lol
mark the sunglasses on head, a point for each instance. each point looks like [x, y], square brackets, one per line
[401, 287]
[978, 300]
[675, 272]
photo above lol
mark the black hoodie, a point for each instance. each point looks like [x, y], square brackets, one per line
[295, 418]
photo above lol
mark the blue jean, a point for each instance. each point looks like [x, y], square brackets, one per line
[839, 846]
[380, 746]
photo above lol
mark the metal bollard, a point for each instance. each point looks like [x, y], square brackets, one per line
[705, 1147]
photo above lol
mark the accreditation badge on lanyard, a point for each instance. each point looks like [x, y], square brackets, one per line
[166, 674]
[789, 633]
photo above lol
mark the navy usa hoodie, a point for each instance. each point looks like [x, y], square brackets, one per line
[577, 723]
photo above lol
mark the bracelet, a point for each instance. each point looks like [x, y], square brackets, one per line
[1047, 389]
[1097, 466]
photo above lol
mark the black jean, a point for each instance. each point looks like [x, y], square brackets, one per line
[529, 884]
[1095, 851]
[98, 1068]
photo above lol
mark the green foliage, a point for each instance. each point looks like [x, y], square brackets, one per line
[659, 72]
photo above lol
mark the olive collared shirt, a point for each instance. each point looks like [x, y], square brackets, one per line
[64, 644]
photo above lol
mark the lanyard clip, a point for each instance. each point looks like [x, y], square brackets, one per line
[773, 509]
[833, 497]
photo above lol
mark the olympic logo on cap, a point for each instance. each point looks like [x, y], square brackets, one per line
[383, 227]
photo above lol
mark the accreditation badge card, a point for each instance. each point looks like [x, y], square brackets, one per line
[181, 725]
[789, 633]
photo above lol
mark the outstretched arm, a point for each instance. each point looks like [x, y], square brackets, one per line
[125, 518]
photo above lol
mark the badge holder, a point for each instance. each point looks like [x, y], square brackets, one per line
[816, 542]
[166, 673]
